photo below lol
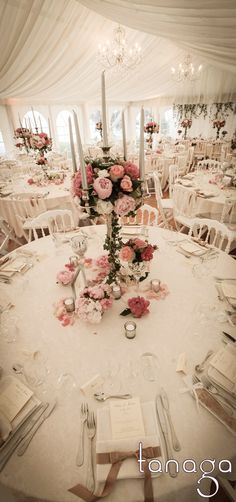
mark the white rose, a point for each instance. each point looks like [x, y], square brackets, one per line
[104, 207]
[103, 173]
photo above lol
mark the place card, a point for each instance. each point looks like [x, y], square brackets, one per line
[13, 397]
[126, 419]
[229, 290]
[225, 362]
[182, 364]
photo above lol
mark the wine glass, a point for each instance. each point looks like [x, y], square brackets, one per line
[79, 245]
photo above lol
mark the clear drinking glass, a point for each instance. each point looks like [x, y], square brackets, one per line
[79, 245]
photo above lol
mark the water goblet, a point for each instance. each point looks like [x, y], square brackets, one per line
[79, 245]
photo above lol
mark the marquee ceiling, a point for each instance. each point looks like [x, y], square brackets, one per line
[48, 49]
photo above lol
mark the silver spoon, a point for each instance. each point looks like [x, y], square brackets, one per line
[200, 367]
[100, 396]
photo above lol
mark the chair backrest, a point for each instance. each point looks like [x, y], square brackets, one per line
[208, 163]
[190, 156]
[209, 150]
[56, 220]
[184, 202]
[173, 174]
[182, 163]
[213, 232]
[158, 194]
[145, 215]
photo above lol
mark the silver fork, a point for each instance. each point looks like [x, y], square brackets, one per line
[83, 418]
[91, 430]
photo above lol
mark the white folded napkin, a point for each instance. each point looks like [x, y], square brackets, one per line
[222, 368]
[192, 248]
[105, 443]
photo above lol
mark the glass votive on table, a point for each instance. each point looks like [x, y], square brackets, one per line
[69, 304]
[155, 285]
[130, 329]
[116, 290]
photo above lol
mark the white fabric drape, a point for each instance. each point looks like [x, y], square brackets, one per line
[207, 27]
[48, 50]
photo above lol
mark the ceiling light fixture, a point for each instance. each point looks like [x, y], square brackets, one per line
[116, 55]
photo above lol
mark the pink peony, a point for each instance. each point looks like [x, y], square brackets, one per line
[65, 277]
[96, 292]
[126, 253]
[124, 205]
[116, 172]
[126, 184]
[103, 187]
[132, 170]
[138, 306]
[147, 253]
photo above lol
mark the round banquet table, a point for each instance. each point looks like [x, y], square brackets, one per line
[210, 207]
[45, 197]
[74, 354]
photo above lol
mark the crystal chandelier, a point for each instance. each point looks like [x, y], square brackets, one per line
[116, 55]
[186, 71]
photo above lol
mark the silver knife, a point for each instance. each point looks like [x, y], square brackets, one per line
[164, 429]
[23, 446]
[9, 450]
[166, 406]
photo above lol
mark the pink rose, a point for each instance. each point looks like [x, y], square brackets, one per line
[147, 253]
[103, 187]
[126, 253]
[139, 243]
[126, 184]
[124, 205]
[106, 303]
[65, 277]
[132, 170]
[138, 306]
[116, 172]
[102, 261]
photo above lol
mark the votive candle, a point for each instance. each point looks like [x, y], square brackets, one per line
[69, 304]
[130, 329]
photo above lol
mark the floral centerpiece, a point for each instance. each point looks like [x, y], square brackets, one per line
[41, 143]
[136, 254]
[150, 128]
[93, 302]
[218, 125]
[98, 127]
[186, 124]
[22, 136]
[114, 190]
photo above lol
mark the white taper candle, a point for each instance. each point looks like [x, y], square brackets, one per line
[124, 135]
[49, 129]
[104, 115]
[80, 152]
[72, 146]
[35, 123]
[141, 146]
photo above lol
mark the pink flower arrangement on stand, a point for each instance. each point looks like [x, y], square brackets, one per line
[186, 124]
[151, 128]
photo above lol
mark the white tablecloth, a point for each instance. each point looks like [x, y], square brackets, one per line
[58, 197]
[47, 470]
[211, 207]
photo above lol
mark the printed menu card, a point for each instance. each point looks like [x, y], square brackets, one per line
[126, 419]
[13, 397]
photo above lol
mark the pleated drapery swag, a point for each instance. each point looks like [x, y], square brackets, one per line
[48, 49]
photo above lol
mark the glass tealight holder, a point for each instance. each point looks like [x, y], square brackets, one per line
[155, 285]
[130, 329]
[69, 304]
[116, 290]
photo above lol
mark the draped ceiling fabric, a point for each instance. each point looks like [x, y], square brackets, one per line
[48, 49]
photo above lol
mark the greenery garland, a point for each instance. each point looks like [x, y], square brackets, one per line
[196, 110]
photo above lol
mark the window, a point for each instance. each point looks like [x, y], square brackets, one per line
[35, 121]
[94, 117]
[147, 118]
[63, 130]
[167, 123]
[115, 125]
[2, 146]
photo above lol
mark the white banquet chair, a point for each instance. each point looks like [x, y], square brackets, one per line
[165, 206]
[184, 207]
[8, 234]
[213, 232]
[56, 220]
[173, 175]
[208, 164]
[145, 215]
